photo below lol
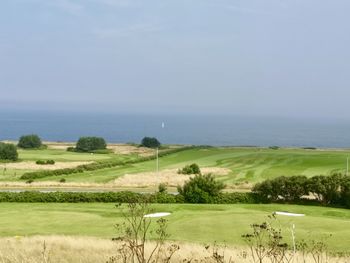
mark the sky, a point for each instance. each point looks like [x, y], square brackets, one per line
[286, 58]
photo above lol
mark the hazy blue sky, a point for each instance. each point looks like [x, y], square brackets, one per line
[242, 57]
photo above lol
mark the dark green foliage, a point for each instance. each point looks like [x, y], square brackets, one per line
[239, 198]
[31, 141]
[117, 197]
[97, 165]
[345, 192]
[162, 188]
[190, 169]
[71, 149]
[326, 188]
[8, 151]
[90, 144]
[150, 142]
[274, 147]
[309, 148]
[62, 180]
[45, 162]
[288, 188]
[201, 189]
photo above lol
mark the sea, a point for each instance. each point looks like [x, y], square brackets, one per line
[213, 130]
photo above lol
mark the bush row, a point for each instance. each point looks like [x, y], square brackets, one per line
[326, 190]
[97, 165]
[45, 162]
[117, 197]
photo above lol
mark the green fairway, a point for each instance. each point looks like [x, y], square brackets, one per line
[194, 223]
[246, 164]
[60, 155]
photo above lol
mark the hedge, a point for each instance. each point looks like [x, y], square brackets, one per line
[98, 165]
[115, 197]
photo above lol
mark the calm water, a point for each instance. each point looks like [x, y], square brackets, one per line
[210, 130]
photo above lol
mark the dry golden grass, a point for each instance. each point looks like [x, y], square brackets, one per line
[130, 149]
[30, 165]
[170, 177]
[64, 249]
[59, 145]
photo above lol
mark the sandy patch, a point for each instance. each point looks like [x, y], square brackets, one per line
[130, 149]
[33, 166]
[170, 177]
[59, 145]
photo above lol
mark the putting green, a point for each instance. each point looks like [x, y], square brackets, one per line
[194, 223]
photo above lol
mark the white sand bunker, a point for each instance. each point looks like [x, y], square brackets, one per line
[288, 214]
[170, 177]
[160, 214]
[34, 166]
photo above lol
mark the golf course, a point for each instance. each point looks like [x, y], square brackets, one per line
[242, 165]
[191, 223]
[138, 169]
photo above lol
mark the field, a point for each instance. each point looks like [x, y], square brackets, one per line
[25, 226]
[190, 223]
[243, 166]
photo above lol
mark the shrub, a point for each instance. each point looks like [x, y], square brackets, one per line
[150, 142]
[62, 180]
[8, 151]
[89, 144]
[31, 141]
[345, 192]
[288, 188]
[201, 189]
[71, 149]
[274, 147]
[45, 162]
[162, 188]
[190, 169]
[326, 189]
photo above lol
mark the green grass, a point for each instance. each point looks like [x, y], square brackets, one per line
[246, 164]
[60, 155]
[193, 223]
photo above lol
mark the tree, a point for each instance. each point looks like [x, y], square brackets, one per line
[289, 188]
[8, 151]
[90, 144]
[201, 189]
[190, 169]
[30, 141]
[150, 142]
[326, 188]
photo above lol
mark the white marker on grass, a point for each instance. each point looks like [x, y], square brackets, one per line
[162, 214]
[288, 214]
[293, 226]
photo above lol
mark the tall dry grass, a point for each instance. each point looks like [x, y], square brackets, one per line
[64, 249]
